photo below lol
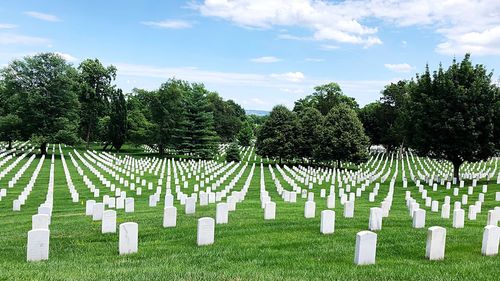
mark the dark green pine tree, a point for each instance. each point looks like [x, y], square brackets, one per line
[200, 135]
[118, 120]
[233, 153]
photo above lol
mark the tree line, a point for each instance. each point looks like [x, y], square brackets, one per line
[450, 114]
[45, 99]
[322, 127]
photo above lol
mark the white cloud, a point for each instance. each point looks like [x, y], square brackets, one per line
[293, 90]
[289, 76]
[191, 74]
[16, 39]
[7, 26]
[169, 24]
[478, 43]
[42, 16]
[329, 47]
[328, 21]
[399, 67]
[465, 25]
[293, 37]
[67, 57]
[314, 60]
[267, 59]
[253, 90]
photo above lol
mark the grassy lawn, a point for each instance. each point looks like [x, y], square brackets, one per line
[248, 248]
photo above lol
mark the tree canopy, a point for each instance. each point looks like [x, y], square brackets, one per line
[452, 113]
[324, 98]
[41, 92]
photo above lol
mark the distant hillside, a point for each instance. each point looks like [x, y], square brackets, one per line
[256, 112]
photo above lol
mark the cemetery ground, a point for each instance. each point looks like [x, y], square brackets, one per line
[290, 247]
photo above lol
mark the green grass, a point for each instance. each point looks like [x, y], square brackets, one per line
[248, 248]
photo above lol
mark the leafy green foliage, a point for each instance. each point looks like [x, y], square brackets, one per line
[277, 136]
[310, 125]
[139, 121]
[167, 113]
[372, 117]
[10, 126]
[199, 129]
[233, 153]
[41, 90]
[228, 117]
[343, 137]
[95, 92]
[452, 113]
[117, 128]
[324, 98]
[245, 135]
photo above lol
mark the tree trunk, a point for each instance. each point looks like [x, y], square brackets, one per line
[43, 148]
[10, 145]
[161, 149]
[105, 146]
[456, 169]
[338, 163]
[87, 139]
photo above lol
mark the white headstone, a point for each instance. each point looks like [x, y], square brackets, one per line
[97, 212]
[40, 221]
[109, 221]
[419, 218]
[169, 216]
[89, 207]
[169, 200]
[310, 209]
[458, 218]
[445, 211]
[38, 245]
[129, 205]
[190, 207]
[270, 211]
[366, 248]
[349, 209]
[491, 238]
[221, 213]
[206, 231]
[128, 240]
[436, 242]
[327, 222]
[375, 222]
[472, 213]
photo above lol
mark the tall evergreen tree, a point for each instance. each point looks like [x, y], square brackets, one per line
[199, 123]
[245, 135]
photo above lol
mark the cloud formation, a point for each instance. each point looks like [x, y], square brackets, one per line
[465, 25]
[42, 16]
[399, 67]
[17, 39]
[169, 24]
[267, 59]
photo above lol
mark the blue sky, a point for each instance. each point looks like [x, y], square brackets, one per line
[257, 52]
